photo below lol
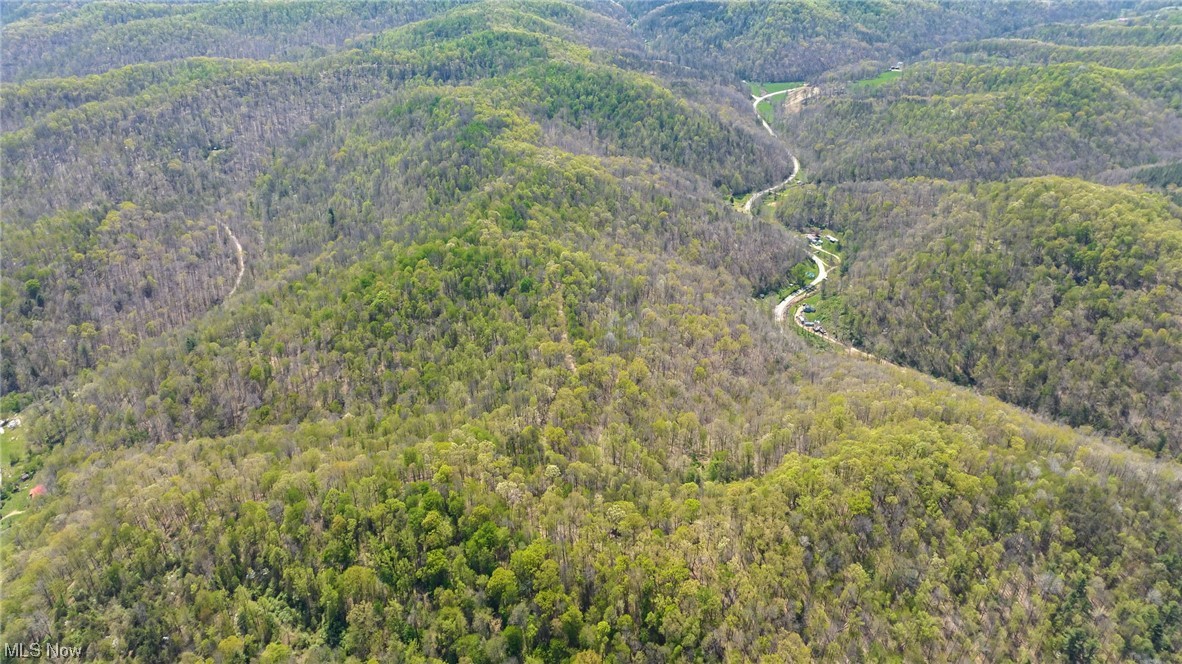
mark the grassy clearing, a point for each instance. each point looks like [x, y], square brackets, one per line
[12, 446]
[828, 308]
[15, 460]
[761, 89]
[765, 108]
[877, 81]
[831, 249]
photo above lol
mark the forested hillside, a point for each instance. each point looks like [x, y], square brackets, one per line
[1059, 295]
[212, 144]
[788, 41]
[63, 39]
[955, 120]
[1051, 293]
[494, 379]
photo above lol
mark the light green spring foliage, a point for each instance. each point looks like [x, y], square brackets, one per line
[1053, 293]
[495, 387]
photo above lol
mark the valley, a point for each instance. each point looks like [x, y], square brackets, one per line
[548, 331]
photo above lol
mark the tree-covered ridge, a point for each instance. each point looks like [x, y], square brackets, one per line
[25, 103]
[251, 365]
[791, 41]
[497, 386]
[1029, 51]
[584, 25]
[942, 526]
[1059, 295]
[377, 167]
[1152, 29]
[633, 116]
[984, 121]
[90, 38]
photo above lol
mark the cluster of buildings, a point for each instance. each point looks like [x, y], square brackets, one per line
[816, 238]
[811, 325]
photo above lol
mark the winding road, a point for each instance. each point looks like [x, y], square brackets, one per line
[795, 97]
[793, 102]
[822, 273]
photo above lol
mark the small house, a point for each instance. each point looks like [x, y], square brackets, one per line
[37, 491]
[808, 308]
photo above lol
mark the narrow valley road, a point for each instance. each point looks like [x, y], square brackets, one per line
[785, 307]
[795, 97]
[822, 272]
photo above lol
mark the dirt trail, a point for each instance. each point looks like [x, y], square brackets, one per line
[836, 258]
[241, 260]
[792, 102]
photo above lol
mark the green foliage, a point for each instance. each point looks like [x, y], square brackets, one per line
[778, 41]
[97, 282]
[973, 121]
[878, 81]
[1050, 293]
[493, 387]
[88, 39]
[898, 504]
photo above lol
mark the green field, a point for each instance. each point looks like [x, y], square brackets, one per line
[877, 81]
[14, 461]
[760, 89]
[826, 309]
[831, 249]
